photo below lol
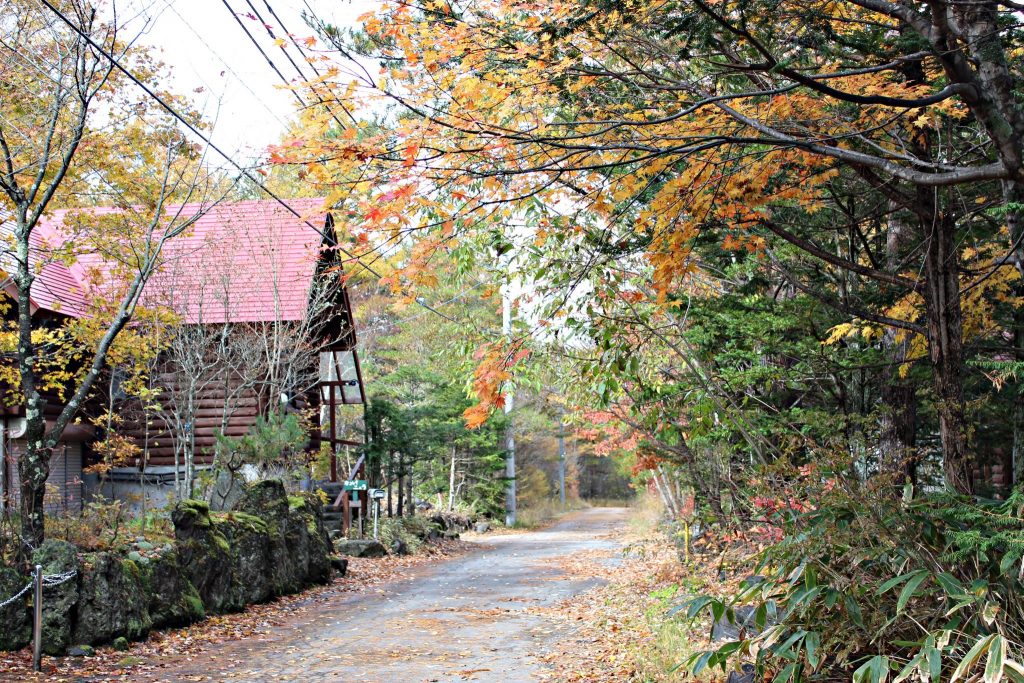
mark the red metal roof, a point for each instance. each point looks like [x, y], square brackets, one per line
[55, 288]
[244, 261]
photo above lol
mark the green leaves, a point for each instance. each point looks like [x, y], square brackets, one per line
[875, 670]
[908, 591]
[927, 602]
[996, 660]
[973, 655]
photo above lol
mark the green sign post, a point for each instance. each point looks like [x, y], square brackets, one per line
[355, 485]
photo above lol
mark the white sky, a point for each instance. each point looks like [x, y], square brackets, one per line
[206, 48]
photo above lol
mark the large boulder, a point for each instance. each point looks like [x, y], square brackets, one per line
[226, 492]
[16, 632]
[451, 521]
[268, 501]
[251, 564]
[309, 538]
[58, 557]
[297, 542]
[362, 548]
[173, 600]
[112, 600]
[203, 553]
[299, 545]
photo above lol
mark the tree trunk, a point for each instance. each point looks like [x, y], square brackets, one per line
[945, 350]
[401, 486]
[34, 464]
[673, 503]
[898, 422]
[409, 500]
[1013, 199]
[33, 470]
[451, 483]
[661, 492]
[391, 507]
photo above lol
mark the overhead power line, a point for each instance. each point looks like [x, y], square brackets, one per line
[170, 5]
[195, 131]
[260, 48]
[259, 17]
[304, 57]
[255, 14]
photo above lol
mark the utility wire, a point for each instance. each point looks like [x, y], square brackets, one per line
[304, 56]
[302, 75]
[258, 47]
[270, 32]
[170, 6]
[241, 169]
[288, 56]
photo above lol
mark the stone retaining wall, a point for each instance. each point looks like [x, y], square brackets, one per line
[269, 545]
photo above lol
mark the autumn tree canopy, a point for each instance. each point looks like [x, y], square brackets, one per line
[76, 132]
[619, 136]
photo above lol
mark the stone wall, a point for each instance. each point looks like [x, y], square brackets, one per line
[271, 544]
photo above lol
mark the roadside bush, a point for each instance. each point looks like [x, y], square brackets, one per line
[411, 530]
[877, 587]
[101, 525]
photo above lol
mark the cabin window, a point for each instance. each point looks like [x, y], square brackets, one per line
[339, 373]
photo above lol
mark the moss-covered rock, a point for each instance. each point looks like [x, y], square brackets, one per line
[251, 565]
[268, 501]
[112, 600]
[194, 513]
[58, 557]
[299, 546]
[362, 548]
[297, 540]
[15, 619]
[319, 549]
[173, 600]
[203, 554]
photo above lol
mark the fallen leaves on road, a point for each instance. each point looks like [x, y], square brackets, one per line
[188, 643]
[617, 626]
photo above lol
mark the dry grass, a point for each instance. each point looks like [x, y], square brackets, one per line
[541, 514]
[622, 633]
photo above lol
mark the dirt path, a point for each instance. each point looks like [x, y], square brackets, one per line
[479, 617]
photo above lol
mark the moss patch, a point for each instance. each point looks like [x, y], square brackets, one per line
[251, 522]
[198, 510]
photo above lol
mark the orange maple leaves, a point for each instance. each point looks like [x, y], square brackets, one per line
[490, 379]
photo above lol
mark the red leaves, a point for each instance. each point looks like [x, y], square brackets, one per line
[409, 155]
[488, 380]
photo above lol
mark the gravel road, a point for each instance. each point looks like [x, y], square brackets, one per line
[484, 616]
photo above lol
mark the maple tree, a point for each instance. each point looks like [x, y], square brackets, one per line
[781, 241]
[638, 127]
[75, 132]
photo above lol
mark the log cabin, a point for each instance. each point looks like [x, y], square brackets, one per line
[262, 320]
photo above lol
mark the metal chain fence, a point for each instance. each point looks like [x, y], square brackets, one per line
[26, 589]
[48, 581]
[39, 582]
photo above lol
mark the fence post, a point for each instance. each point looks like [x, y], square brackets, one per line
[37, 621]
